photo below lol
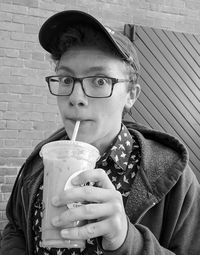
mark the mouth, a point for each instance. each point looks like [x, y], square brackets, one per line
[82, 121]
[85, 129]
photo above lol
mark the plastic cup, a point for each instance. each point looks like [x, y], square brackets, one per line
[62, 161]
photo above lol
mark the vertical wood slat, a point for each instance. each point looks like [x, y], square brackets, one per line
[170, 81]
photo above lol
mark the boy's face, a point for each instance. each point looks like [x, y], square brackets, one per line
[100, 117]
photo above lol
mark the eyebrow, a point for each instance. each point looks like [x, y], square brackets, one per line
[65, 68]
[97, 69]
[100, 69]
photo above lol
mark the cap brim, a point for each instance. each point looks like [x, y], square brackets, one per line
[54, 26]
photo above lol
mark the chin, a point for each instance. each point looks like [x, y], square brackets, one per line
[84, 138]
[86, 132]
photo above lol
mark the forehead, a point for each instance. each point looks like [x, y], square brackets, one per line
[88, 60]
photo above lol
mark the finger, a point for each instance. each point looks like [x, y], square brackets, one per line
[88, 194]
[88, 231]
[97, 176]
[57, 222]
[86, 212]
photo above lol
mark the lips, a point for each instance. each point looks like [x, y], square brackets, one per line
[73, 120]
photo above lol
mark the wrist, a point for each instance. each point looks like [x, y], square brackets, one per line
[115, 243]
[112, 245]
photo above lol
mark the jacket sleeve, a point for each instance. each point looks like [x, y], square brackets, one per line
[181, 230]
[13, 239]
[139, 241]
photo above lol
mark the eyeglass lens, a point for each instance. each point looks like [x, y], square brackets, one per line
[92, 86]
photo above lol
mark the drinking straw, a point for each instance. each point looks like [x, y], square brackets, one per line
[75, 130]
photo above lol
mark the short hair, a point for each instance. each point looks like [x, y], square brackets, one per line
[86, 36]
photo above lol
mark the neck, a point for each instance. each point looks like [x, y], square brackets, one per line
[103, 147]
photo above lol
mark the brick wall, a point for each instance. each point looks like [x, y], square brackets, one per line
[28, 113]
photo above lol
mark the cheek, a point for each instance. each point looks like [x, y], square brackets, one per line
[61, 104]
[110, 110]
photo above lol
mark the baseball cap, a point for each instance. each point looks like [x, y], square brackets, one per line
[56, 24]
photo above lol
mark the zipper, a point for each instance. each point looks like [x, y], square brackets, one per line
[143, 214]
[28, 215]
[23, 203]
[25, 213]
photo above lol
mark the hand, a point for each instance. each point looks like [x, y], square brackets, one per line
[104, 210]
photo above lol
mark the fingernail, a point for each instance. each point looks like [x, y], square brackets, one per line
[55, 200]
[55, 221]
[64, 233]
[75, 181]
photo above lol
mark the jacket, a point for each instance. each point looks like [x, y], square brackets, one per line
[163, 207]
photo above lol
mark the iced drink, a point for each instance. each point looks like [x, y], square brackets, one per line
[62, 159]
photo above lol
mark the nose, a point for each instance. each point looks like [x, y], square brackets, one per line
[78, 97]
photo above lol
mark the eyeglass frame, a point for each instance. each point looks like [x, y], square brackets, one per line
[80, 80]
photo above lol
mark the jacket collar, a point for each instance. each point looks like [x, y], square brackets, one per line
[163, 159]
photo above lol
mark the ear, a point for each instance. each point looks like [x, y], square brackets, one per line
[133, 95]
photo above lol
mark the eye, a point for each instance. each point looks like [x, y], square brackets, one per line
[100, 81]
[66, 80]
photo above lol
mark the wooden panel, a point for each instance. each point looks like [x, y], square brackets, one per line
[170, 81]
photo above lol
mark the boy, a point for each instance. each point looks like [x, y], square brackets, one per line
[145, 199]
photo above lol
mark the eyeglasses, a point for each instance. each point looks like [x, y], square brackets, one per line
[92, 86]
